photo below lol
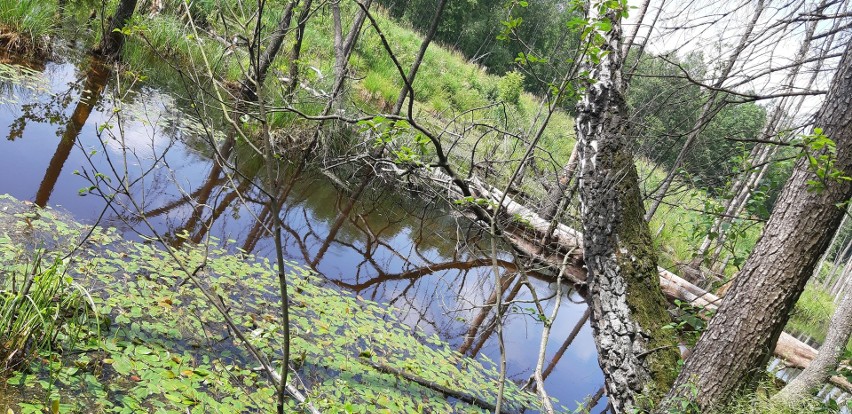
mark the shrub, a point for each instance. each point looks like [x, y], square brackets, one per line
[510, 87]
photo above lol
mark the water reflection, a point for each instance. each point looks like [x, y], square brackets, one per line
[93, 86]
[372, 238]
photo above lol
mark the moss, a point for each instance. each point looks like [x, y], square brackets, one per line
[646, 300]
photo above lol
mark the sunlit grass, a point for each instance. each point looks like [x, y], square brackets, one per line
[812, 313]
[759, 402]
[26, 25]
[680, 224]
[39, 303]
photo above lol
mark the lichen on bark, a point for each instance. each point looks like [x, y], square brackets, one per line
[637, 356]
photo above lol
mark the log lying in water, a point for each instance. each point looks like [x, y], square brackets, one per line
[528, 229]
[794, 352]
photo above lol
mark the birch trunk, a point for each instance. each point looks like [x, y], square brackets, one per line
[628, 309]
[820, 369]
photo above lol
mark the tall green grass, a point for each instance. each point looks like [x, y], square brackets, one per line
[39, 304]
[680, 224]
[812, 313]
[26, 25]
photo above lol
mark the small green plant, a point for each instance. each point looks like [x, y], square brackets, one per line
[691, 321]
[39, 303]
[821, 153]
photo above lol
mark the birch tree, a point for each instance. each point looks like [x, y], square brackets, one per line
[628, 309]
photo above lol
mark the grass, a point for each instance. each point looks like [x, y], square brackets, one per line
[680, 224]
[812, 313]
[39, 304]
[760, 403]
[27, 25]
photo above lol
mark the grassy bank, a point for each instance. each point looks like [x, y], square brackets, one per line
[27, 26]
[163, 348]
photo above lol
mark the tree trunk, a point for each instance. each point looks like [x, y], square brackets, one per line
[260, 68]
[113, 38]
[739, 339]
[557, 193]
[433, 27]
[641, 49]
[628, 309]
[820, 369]
[296, 52]
[344, 50]
[708, 111]
[628, 42]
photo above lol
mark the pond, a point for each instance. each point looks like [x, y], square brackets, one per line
[416, 256]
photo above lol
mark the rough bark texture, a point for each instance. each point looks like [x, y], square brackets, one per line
[628, 307]
[113, 39]
[740, 338]
[819, 370]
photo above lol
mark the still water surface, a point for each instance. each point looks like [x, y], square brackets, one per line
[387, 245]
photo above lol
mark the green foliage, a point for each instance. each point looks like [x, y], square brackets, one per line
[812, 313]
[690, 321]
[167, 350]
[666, 107]
[26, 25]
[681, 222]
[510, 87]
[757, 401]
[39, 305]
[821, 153]
[490, 32]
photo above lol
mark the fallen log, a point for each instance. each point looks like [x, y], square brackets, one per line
[792, 351]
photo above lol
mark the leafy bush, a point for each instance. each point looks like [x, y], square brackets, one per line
[510, 87]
